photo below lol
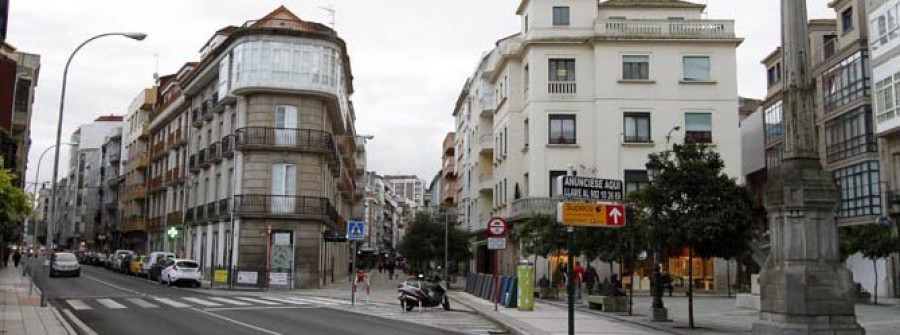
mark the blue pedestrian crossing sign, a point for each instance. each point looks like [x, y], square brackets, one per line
[356, 231]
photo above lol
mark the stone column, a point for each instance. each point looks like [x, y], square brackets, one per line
[805, 289]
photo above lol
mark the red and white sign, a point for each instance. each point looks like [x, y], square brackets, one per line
[497, 227]
[615, 216]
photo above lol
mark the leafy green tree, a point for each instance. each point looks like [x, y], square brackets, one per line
[424, 241]
[692, 203]
[542, 236]
[14, 204]
[874, 241]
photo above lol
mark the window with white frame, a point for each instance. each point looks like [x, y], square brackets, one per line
[884, 26]
[637, 127]
[696, 68]
[635, 67]
[698, 127]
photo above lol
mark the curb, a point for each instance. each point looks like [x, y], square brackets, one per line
[621, 319]
[512, 325]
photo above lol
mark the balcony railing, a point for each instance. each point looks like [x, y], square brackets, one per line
[174, 218]
[215, 152]
[562, 87]
[194, 163]
[283, 138]
[649, 29]
[211, 212]
[156, 184]
[228, 146]
[207, 110]
[288, 25]
[284, 205]
[189, 215]
[195, 118]
[224, 211]
[199, 213]
[202, 158]
[134, 224]
[528, 207]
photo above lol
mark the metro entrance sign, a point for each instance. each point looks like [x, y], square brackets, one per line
[589, 188]
[591, 215]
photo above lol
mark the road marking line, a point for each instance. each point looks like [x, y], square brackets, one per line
[202, 302]
[113, 285]
[285, 301]
[172, 303]
[141, 303]
[257, 301]
[237, 322]
[312, 301]
[335, 301]
[111, 304]
[78, 305]
[253, 308]
[229, 301]
[78, 323]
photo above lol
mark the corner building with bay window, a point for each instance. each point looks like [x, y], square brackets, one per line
[255, 151]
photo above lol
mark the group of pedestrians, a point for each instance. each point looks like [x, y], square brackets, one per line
[15, 255]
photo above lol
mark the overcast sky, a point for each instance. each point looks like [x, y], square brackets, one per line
[410, 58]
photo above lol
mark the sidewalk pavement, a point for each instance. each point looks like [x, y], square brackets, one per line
[549, 319]
[21, 313]
[720, 315]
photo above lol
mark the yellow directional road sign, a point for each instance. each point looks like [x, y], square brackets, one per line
[590, 215]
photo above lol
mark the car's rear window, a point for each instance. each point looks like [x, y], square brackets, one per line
[187, 265]
[65, 257]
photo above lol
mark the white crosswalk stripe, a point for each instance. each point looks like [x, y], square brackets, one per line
[78, 305]
[258, 301]
[141, 303]
[111, 304]
[286, 301]
[331, 301]
[230, 301]
[202, 302]
[172, 303]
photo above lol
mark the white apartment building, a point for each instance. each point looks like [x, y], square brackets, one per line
[598, 86]
[409, 187]
[884, 49]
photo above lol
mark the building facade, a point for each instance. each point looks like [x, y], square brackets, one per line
[79, 228]
[110, 160]
[884, 49]
[254, 149]
[545, 98]
[18, 79]
[131, 232]
[408, 186]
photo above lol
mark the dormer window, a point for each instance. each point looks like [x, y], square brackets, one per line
[561, 16]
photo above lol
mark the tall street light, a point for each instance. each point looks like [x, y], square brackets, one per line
[658, 309]
[62, 102]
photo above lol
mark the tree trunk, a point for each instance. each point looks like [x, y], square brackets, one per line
[875, 291]
[691, 288]
[728, 276]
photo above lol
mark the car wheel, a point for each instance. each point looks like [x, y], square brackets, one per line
[52, 274]
[78, 274]
[409, 307]
[446, 304]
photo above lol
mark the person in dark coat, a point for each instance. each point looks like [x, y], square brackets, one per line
[17, 257]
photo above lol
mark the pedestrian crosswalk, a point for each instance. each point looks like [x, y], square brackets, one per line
[199, 302]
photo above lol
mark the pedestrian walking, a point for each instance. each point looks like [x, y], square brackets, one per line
[17, 257]
[578, 273]
[391, 266]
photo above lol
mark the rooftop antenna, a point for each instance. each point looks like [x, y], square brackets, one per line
[331, 11]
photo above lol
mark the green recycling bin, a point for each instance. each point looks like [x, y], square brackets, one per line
[525, 286]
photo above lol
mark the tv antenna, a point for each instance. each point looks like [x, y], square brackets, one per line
[332, 12]
[156, 71]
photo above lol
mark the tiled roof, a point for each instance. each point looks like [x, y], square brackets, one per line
[650, 4]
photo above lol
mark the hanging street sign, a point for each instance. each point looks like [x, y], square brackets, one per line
[591, 215]
[589, 188]
[497, 227]
[356, 231]
[496, 243]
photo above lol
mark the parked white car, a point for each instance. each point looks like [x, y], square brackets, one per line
[153, 258]
[64, 263]
[182, 271]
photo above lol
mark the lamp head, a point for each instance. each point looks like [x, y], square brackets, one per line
[676, 128]
[135, 36]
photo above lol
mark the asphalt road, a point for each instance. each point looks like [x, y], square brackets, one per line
[111, 303]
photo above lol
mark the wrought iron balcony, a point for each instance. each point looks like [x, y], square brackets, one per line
[189, 215]
[194, 163]
[174, 218]
[196, 121]
[199, 213]
[214, 153]
[224, 211]
[228, 146]
[264, 138]
[207, 109]
[211, 213]
[202, 158]
[281, 205]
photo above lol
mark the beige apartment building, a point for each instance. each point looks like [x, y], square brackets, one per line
[254, 153]
[132, 232]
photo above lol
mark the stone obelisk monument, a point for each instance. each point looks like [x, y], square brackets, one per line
[805, 289]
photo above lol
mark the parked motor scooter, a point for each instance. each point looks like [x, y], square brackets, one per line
[413, 292]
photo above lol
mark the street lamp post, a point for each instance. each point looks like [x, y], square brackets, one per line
[62, 103]
[59, 123]
[34, 196]
[658, 309]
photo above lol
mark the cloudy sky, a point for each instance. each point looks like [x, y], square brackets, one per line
[410, 58]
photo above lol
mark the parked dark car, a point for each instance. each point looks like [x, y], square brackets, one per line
[157, 267]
